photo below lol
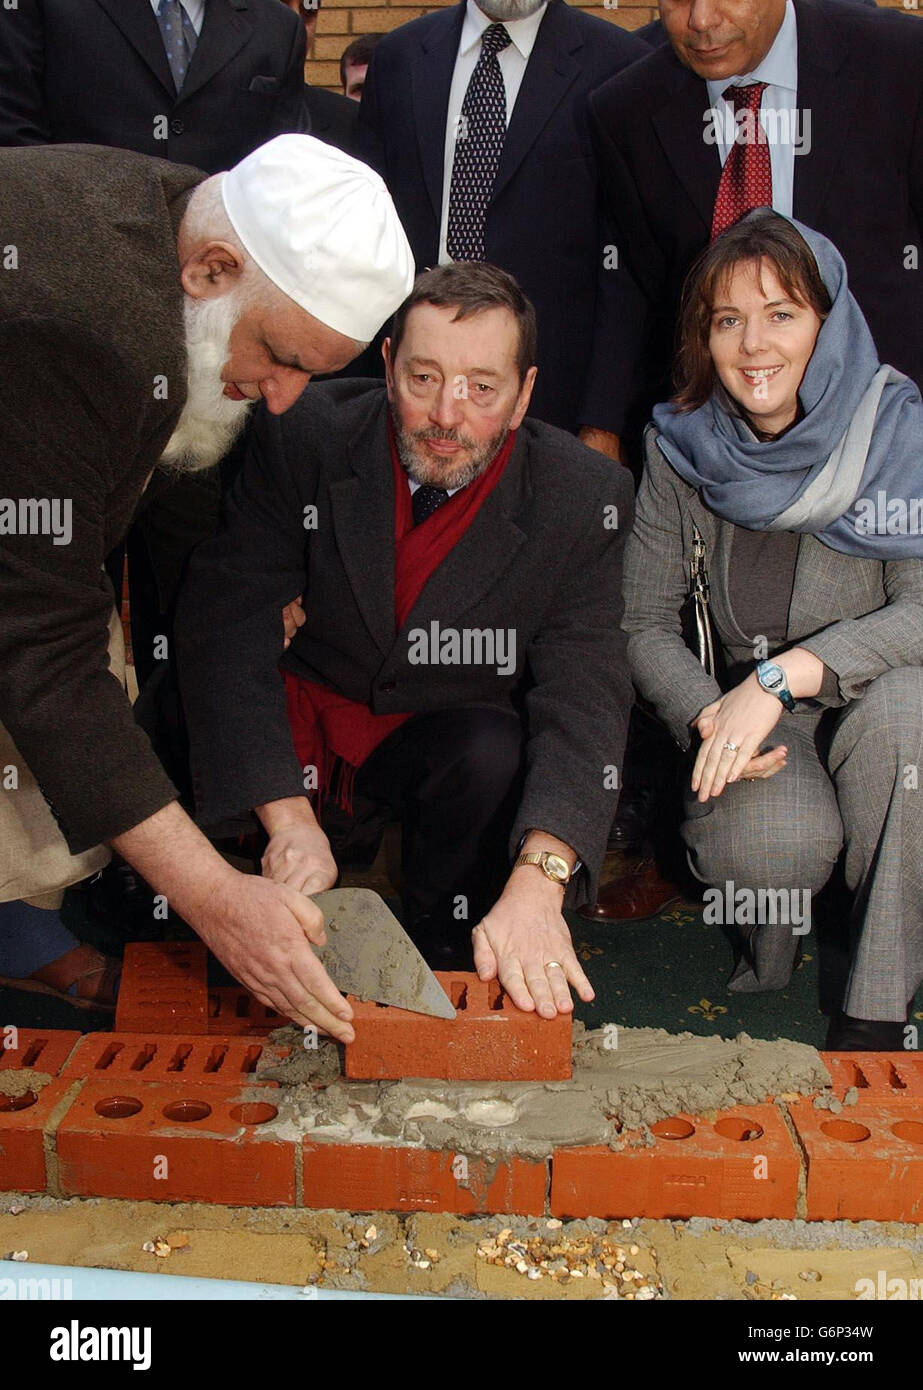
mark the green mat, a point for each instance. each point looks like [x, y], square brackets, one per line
[668, 971]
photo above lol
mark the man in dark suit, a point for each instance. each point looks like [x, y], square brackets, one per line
[655, 34]
[330, 117]
[135, 324]
[97, 72]
[461, 660]
[851, 165]
[527, 198]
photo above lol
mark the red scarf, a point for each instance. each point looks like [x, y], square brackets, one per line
[332, 733]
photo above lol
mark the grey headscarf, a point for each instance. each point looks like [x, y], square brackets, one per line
[849, 472]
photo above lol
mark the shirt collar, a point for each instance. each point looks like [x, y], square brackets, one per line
[778, 69]
[522, 32]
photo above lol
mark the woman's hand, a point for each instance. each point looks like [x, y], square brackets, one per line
[744, 717]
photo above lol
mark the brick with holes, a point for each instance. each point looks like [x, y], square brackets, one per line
[176, 1142]
[232, 1009]
[864, 1164]
[42, 1049]
[739, 1163]
[188, 1057]
[164, 988]
[895, 1078]
[25, 1115]
[488, 1040]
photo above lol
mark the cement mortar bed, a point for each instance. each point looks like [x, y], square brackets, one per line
[623, 1081]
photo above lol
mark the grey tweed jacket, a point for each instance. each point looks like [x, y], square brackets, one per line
[860, 617]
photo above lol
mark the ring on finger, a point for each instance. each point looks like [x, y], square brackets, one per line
[731, 747]
[556, 963]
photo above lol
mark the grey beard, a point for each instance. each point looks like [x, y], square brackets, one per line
[434, 474]
[501, 10]
[209, 422]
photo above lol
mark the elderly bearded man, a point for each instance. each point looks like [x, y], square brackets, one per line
[460, 663]
[143, 307]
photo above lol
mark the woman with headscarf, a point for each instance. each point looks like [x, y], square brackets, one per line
[793, 460]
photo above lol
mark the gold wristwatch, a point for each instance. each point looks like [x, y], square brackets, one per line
[551, 865]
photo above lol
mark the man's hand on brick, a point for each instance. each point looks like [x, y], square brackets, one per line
[525, 942]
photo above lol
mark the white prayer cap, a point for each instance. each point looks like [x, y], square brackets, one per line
[323, 227]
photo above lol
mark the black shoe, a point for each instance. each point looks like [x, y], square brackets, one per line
[847, 1034]
[634, 819]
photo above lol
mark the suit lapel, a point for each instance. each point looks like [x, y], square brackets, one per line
[139, 25]
[551, 70]
[833, 101]
[430, 82]
[487, 548]
[362, 508]
[680, 127]
[225, 30]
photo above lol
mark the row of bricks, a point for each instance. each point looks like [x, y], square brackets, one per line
[197, 1142]
[895, 1078]
[165, 990]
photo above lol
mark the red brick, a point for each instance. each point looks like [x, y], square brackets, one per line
[710, 1168]
[234, 1010]
[889, 1078]
[864, 1164]
[42, 1049]
[164, 988]
[114, 1135]
[23, 1120]
[153, 1057]
[378, 1177]
[488, 1040]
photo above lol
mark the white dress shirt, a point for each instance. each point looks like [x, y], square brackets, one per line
[512, 60]
[194, 8]
[779, 116]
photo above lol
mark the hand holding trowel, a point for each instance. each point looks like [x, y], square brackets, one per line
[368, 954]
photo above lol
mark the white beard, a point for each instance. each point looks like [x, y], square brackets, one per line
[209, 422]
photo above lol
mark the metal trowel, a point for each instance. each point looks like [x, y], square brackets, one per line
[369, 954]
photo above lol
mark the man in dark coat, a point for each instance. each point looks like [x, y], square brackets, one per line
[460, 663]
[854, 154]
[542, 219]
[136, 324]
[97, 72]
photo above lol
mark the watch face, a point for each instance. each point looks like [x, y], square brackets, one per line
[771, 677]
[556, 868]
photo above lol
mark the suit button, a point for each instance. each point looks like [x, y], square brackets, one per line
[177, 126]
[387, 686]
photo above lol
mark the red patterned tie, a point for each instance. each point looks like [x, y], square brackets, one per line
[746, 179]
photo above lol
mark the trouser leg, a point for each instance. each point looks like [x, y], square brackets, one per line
[876, 758]
[454, 776]
[781, 834]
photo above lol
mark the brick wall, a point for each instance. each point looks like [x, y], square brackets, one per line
[340, 21]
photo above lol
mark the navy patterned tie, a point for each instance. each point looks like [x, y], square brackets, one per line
[427, 500]
[179, 38]
[478, 143]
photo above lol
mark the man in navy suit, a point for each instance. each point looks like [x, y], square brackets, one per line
[528, 199]
[853, 168]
